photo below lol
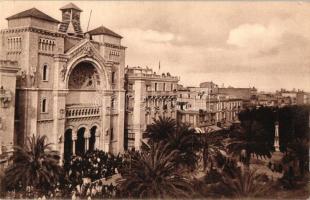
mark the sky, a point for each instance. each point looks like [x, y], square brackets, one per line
[240, 44]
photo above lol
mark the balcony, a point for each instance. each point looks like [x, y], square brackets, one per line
[161, 93]
[80, 111]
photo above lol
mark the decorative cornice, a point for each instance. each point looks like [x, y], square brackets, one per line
[114, 46]
[76, 119]
[32, 29]
[45, 120]
[60, 57]
[14, 52]
[46, 54]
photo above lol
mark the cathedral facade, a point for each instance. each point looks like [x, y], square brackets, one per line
[69, 84]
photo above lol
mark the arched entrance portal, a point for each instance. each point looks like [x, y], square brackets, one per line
[86, 81]
[92, 139]
[80, 142]
[68, 144]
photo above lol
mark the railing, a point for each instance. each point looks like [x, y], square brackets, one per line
[157, 76]
[161, 93]
[82, 111]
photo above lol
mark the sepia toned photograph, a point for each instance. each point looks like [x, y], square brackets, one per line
[154, 99]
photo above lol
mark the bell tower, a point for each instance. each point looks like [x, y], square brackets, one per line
[70, 23]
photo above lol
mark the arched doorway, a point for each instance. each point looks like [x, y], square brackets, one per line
[80, 142]
[68, 144]
[92, 139]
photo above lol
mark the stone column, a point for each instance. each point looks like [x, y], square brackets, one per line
[106, 121]
[59, 103]
[74, 137]
[86, 137]
[97, 141]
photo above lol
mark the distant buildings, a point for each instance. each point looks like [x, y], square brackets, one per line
[148, 96]
[281, 98]
[205, 108]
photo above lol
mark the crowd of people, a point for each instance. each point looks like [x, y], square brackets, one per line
[94, 165]
[85, 176]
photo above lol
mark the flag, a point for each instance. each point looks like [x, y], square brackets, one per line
[159, 66]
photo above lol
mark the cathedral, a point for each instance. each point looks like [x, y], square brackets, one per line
[70, 85]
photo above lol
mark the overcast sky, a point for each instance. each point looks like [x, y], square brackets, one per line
[240, 44]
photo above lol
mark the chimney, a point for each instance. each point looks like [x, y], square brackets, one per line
[70, 23]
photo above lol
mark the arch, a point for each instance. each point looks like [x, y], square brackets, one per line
[98, 65]
[83, 126]
[68, 144]
[84, 76]
[92, 139]
[80, 142]
[45, 72]
[44, 105]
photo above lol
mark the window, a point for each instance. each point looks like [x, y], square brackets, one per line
[113, 77]
[171, 86]
[112, 134]
[46, 45]
[155, 86]
[45, 72]
[14, 44]
[148, 88]
[44, 106]
[164, 87]
[112, 103]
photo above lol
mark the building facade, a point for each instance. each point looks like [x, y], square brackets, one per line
[73, 87]
[69, 84]
[206, 110]
[148, 96]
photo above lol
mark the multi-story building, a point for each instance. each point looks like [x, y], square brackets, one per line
[202, 109]
[212, 87]
[148, 96]
[241, 93]
[70, 84]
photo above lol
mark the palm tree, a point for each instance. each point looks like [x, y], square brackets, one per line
[213, 147]
[161, 128]
[186, 141]
[153, 174]
[244, 182]
[34, 165]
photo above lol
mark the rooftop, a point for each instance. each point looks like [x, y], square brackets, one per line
[71, 6]
[35, 13]
[101, 30]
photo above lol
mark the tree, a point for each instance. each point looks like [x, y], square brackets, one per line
[186, 141]
[298, 149]
[34, 165]
[244, 182]
[254, 135]
[160, 129]
[179, 137]
[247, 141]
[212, 146]
[153, 174]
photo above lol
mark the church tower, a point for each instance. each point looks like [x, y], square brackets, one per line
[70, 23]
